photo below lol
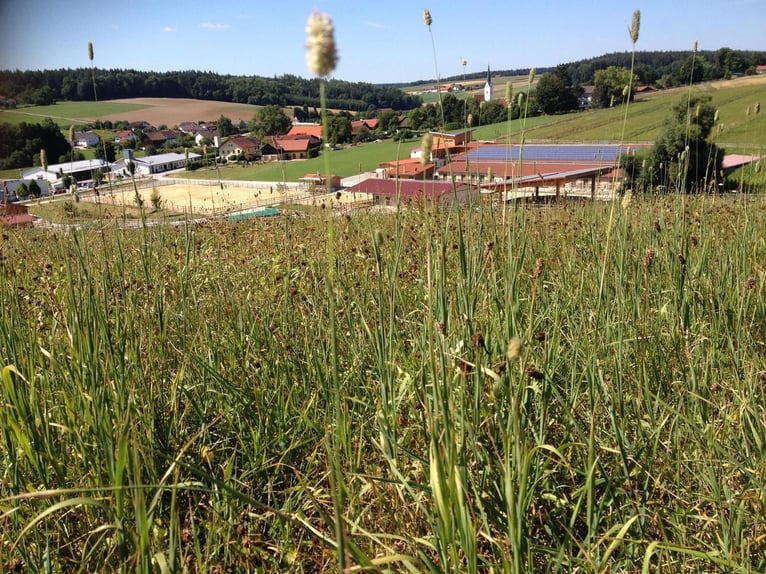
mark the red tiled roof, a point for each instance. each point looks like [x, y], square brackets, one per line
[245, 143]
[402, 187]
[294, 144]
[309, 130]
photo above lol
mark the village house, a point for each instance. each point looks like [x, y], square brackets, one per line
[301, 129]
[240, 146]
[85, 139]
[158, 138]
[121, 136]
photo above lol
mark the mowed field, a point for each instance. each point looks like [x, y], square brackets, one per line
[156, 111]
[173, 111]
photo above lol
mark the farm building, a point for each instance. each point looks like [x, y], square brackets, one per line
[79, 170]
[407, 192]
[411, 168]
[496, 167]
[152, 164]
[85, 139]
[15, 215]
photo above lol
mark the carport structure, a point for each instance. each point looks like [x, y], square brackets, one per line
[506, 168]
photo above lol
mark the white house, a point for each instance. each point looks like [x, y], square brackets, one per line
[86, 139]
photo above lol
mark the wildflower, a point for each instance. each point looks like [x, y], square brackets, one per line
[426, 146]
[515, 347]
[321, 53]
[635, 25]
[427, 17]
[207, 454]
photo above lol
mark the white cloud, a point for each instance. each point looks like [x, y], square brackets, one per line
[211, 26]
[168, 29]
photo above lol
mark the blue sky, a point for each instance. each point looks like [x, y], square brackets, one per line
[379, 42]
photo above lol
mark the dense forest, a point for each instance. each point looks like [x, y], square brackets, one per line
[49, 86]
[661, 68]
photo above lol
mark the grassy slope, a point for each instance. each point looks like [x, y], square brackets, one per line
[346, 162]
[180, 381]
[67, 113]
[647, 115]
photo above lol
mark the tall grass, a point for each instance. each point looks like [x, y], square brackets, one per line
[168, 396]
[439, 390]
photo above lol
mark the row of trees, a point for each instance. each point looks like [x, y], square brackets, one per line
[46, 87]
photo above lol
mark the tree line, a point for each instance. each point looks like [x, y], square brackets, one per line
[48, 86]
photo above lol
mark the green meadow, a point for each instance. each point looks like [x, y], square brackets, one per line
[67, 113]
[568, 389]
[344, 163]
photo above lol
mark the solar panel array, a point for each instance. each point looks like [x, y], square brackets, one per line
[570, 152]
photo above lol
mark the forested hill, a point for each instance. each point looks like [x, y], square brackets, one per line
[663, 68]
[46, 87]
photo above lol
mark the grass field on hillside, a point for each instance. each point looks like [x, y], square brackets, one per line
[68, 113]
[648, 114]
[344, 163]
[570, 389]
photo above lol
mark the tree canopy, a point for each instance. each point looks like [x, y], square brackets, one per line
[269, 121]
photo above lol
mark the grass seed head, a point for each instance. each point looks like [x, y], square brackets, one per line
[539, 266]
[648, 258]
[321, 53]
[44, 160]
[427, 17]
[509, 92]
[635, 26]
[515, 348]
[90, 51]
[426, 146]
[694, 47]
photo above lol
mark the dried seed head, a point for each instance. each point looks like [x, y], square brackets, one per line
[321, 53]
[464, 62]
[625, 91]
[648, 258]
[426, 145]
[509, 92]
[757, 108]
[715, 117]
[427, 17]
[90, 51]
[531, 75]
[694, 47]
[44, 160]
[750, 283]
[635, 25]
[539, 265]
[515, 347]
[627, 199]
[71, 134]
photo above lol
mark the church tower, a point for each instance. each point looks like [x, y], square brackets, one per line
[488, 87]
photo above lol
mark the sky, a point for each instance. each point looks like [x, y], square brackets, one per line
[383, 41]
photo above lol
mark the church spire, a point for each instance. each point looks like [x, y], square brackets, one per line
[488, 86]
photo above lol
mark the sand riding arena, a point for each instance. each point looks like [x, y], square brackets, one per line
[212, 198]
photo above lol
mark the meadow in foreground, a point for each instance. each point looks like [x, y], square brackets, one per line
[429, 391]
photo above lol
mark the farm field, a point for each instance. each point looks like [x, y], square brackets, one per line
[578, 387]
[67, 113]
